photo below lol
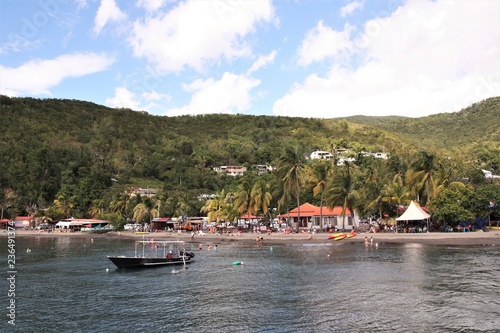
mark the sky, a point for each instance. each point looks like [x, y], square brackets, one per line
[299, 58]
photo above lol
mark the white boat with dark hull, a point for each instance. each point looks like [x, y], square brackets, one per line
[151, 253]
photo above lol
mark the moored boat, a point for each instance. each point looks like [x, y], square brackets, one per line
[151, 253]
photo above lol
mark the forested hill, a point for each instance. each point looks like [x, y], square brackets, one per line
[49, 147]
[472, 130]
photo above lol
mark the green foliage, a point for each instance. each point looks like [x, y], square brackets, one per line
[453, 204]
[77, 158]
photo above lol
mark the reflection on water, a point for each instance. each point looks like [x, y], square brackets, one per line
[333, 287]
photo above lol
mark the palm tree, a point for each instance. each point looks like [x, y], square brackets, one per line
[342, 191]
[291, 170]
[319, 175]
[422, 177]
[96, 208]
[147, 208]
[177, 205]
[119, 204]
[216, 208]
[261, 196]
[243, 200]
[64, 204]
[396, 193]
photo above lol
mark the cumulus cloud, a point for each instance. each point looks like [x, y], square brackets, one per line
[123, 98]
[324, 42]
[351, 7]
[38, 76]
[150, 5]
[426, 57]
[198, 33]
[262, 61]
[230, 94]
[108, 11]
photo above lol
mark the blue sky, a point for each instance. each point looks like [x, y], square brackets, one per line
[305, 58]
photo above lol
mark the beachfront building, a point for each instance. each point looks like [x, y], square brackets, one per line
[311, 218]
[25, 222]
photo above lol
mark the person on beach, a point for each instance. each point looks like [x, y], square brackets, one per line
[258, 241]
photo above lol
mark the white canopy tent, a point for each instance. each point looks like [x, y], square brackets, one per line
[414, 213]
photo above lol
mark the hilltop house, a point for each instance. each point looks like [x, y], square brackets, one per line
[231, 170]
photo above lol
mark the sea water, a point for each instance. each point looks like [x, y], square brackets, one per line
[66, 284]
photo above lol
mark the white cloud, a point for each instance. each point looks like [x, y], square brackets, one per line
[198, 33]
[155, 96]
[351, 7]
[151, 5]
[425, 58]
[108, 11]
[228, 95]
[81, 4]
[324, 42]
[38, 76]
[123, 98]
[262, 61]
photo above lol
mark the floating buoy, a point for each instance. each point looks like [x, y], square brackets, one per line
[271, 249]
[238, 263]
[107, 270]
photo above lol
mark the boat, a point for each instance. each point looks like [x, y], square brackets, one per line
[340, 237]
[333, 236]
[352, 234]
[152, 253]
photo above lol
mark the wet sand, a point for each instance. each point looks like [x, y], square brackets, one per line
[490, 237]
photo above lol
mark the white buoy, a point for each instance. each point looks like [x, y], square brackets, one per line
[107, 270]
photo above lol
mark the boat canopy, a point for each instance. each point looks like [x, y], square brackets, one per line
[80, 222]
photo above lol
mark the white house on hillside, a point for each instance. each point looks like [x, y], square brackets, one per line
[319, 154]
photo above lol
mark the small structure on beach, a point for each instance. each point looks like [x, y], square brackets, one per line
[414, 213]
[312, 216]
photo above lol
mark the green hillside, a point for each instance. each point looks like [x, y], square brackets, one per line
[82, 152]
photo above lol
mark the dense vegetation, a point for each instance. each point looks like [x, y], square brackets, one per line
[72, 158]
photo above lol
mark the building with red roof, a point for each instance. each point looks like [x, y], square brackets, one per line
[310, 217]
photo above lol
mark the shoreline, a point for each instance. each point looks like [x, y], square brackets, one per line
[491, 237]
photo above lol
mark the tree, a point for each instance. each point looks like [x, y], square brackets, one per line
[452, 205]
[64, 204]
[319, 175]
[396, 194]
[342, 191]
[261, 196]
[220, 208]
[422, 177]
[291, 170]
[119, 204]
[243, 200]
[146, 209]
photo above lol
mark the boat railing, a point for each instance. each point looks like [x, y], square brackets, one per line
[156, 248]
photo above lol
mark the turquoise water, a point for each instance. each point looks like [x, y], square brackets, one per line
[68, 285]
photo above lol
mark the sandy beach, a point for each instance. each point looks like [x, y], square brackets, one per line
[490, 237]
